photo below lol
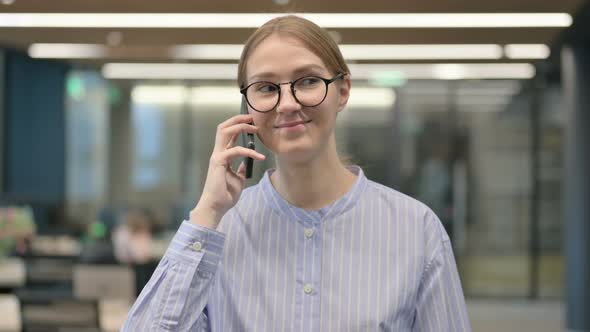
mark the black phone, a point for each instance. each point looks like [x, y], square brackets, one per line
[247, 141]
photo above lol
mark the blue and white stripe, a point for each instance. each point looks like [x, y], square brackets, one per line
[374, 260]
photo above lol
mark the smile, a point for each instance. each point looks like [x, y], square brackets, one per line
[292, 124]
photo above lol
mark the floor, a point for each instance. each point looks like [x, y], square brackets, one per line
[515, 315]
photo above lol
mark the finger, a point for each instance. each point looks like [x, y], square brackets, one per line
[225, 135]
[242, 118]
[235, 139]
[235, 180]
[232, 141]
[242, 170]
[225, 157]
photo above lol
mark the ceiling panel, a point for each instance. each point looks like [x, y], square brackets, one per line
[20, 36]
[150, 44]
[366, 6]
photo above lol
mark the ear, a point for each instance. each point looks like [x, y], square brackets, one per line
[344, 92]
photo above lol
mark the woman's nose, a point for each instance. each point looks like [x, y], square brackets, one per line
[287, 102]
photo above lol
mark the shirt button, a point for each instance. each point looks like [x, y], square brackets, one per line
[308, 232]
[197, 246]
[307, 289]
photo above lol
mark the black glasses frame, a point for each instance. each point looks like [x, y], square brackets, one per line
[326, 81]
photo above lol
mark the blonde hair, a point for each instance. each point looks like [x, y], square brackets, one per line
[314, 38]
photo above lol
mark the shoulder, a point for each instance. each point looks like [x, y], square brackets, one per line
[403, 206]
[250, 196]
[395, 199]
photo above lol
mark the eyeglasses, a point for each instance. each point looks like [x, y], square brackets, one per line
[308, 91]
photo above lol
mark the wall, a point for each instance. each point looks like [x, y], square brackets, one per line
[34, 135]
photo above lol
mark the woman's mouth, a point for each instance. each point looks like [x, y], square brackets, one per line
[292, 126]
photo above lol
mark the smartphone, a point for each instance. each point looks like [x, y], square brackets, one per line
[247, 141]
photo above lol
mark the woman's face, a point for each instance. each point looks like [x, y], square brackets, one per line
[282, 59]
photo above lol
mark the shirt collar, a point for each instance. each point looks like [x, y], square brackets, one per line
[310, 217]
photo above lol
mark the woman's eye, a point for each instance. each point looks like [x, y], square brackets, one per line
[309, 81]
[266, 88]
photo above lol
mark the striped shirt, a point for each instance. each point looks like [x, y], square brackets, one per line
[374, 260]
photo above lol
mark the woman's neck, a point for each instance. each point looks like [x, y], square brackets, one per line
[315, 183]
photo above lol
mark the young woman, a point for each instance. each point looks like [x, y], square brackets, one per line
[315, 245]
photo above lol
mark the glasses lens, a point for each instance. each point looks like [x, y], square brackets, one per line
[310, 91]
[263, 96]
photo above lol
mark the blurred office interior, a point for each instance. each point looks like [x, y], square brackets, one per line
[477, 108]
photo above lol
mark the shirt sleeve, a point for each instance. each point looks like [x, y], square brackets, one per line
[440, 302]
[177, 293]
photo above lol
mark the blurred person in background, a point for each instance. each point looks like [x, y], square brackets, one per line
[315, 245]
[132, 238]
[17, 227]
[434, 177]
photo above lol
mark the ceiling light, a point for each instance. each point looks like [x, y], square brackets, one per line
[449, 71]
[254, 20]
[356, 52]
[170, 71]
[350, 51]
[67, 51]
[421, 52]
[446, 71]
[233, 51]
[159, 95]
[216, 96]
[211, 96]
[371, 97]
[358, 71]
[527, 51]
[230, 96]
[443, 20]
[207, 51]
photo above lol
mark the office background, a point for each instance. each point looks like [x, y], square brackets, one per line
[107, 123]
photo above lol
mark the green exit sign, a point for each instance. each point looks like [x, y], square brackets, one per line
[388, 78]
